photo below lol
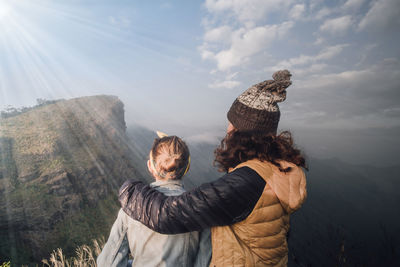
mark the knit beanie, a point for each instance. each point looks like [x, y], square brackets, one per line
[256, 109]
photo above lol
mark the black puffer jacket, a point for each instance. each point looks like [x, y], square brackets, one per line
[228, 200]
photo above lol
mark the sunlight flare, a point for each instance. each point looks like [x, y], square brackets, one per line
[5, 10]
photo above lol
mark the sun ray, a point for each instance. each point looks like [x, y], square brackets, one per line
[42, 64]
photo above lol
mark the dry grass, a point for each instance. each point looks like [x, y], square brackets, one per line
[85, 256]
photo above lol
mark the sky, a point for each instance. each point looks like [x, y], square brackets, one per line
[179, 65]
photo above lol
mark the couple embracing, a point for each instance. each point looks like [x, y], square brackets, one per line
[241, 219]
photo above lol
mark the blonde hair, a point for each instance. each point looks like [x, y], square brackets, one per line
[170, 157]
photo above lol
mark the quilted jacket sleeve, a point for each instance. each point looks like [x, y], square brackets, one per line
[228, 200]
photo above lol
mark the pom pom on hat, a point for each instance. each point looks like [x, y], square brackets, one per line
[282, 75]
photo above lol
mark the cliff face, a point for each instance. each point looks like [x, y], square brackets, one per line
[60, 169]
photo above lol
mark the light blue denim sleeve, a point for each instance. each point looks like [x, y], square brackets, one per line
[203, 258]
[116, 251]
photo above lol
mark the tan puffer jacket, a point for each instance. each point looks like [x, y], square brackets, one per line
[260, 239]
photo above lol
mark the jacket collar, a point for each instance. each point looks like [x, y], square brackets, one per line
[171, 184]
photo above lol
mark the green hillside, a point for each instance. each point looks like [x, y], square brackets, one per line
[60, 169]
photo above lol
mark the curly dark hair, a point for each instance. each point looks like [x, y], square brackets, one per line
[240, 146]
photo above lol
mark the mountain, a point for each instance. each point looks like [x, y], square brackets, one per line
[61, 165]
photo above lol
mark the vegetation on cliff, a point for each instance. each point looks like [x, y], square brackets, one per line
[61, 165]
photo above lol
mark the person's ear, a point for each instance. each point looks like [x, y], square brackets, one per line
[230, 129]
[149, 167]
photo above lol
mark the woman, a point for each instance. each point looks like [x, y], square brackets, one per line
[168, 162]
[249, 207]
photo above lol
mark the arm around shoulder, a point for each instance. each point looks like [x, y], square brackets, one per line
[228, 200]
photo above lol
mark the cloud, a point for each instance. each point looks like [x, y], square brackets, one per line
[323, 12]
[355, 98]
[236, 31]
[312, 69]
[319, 41]
[166, 5]
[205, 53]
[120, 21]
[330, 52]
[297, 11]
[246, 10]
[392, 112]
[232, 75]
[353, 4]
[219, 34]
[337, 25]
[229, 84]
[383, 14]
[246, 43]
[324, 54]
